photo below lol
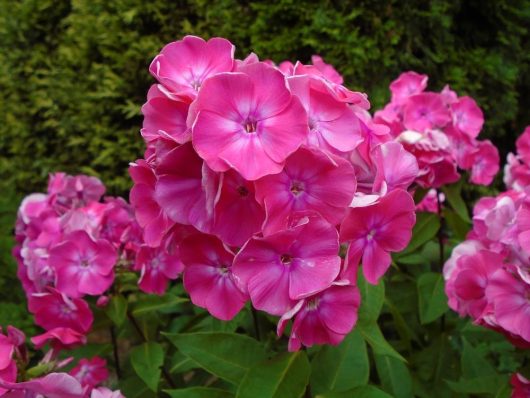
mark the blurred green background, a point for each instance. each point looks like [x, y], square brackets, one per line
[73, 74]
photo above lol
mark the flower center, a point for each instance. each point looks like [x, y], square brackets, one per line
[371, 234]
[250, 126]
[312, 124]
[312, 304]
[242, 191]
[196, 85]
[297, 187]
[286, 259]
[223, 270]
[84, 264]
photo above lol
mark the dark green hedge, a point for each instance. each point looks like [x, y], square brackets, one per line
[73, 74]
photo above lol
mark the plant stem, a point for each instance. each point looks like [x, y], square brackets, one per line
[256, 323]
[441, 246]
[115, 351]
[138, 329]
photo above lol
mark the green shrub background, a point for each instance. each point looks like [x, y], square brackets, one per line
[73, 74]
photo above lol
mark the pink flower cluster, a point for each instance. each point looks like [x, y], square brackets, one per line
[253, 176]
[441, 130]
[83, 381]
[69, 244]
[488, 275]
[517, 169]
[521, 386]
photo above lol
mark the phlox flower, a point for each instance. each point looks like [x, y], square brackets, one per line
[327, 70]
[249, 121]
[486, 163]
[90, 372]
[54, 309]
[521, 386]
[408, 84]
[66, 192]
[208, 276]
[311, 180]
[425, 111]
[83, 265]
[53, 385]
[376, 230]
[467, 116]
[429, 203]
[59, 338]
[157, 267]
[104, 392]
[523, 145]
[396, 168]
[325, 318]
[8, 366]
[184, 65]
[291, 264]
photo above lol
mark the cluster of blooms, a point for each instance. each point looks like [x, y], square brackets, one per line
[83, 381]
[253, 176]
[68, 245]
[440, 129]
[488, 275]
[517, 169]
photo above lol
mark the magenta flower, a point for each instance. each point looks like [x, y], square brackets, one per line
[485, 163]
[407, 84]
[523, 145]
[396, 167]
[467, 116]
[8, 366]
[376, 230]
[333, 124]
[157, 268]
[279, 269]
[327, 70]
[59, 338]
[425, 111]
[90, 372]
[83, 266]
[186, 188]
[184, 65]
[151, 217]
[53, 385]
[236, 202]
[104, 392]
[248, 121]
[53, 309]
[311, 180]
[521, 386]
[163, 115]
[208, 276]
[325, 318]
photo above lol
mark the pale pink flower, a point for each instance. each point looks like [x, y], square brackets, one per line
[248, 121]
[408, 84]
[54, 309]
[325, 318]
[376, 230]
[90, 372]
[157, 267]
[104, 392]
[279, 269]
[83, 266]
[208, 276]
[333, 125]
[183, 66]
[311, 180]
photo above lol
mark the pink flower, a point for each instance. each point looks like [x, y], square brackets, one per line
[163, 115]
[521, 386]
[430, 202]
[67, 191]
[467, 116]
[208, 276]
[523, 225]
[103, 392]
[325, 318]
[151, 217]
[83, 266]
[53, 309]
[236, 202]
[376, 230]
[523, 145]
[408, 84]
[90, 372]
[279, 269]
[184, 65]
[509, 297]
[186, 188]
[158, 267]
[8, 366]
[59, 338]
[333, 124]
[329, 72]
[311, 180]
[53, 385]
[248, 121]
[486, 163]
[425, 111]
[396, 167]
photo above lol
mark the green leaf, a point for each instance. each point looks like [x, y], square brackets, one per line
[226, 355]
[146, 360]
[454, 197]
[285, 376]
[373, 336]
[426, 227]
[359, 392]
[432, 300]
[477, 385]
[459, 227]
[154, 303]
[474, 364]
[117, 309]
[199, 392]
[372, 299]
[181, 363]
[394, 375]
[341, 367]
